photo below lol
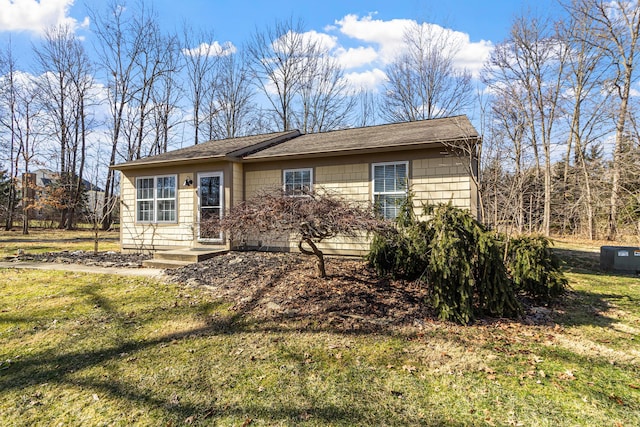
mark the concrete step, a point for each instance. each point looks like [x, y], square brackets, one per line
[164, 263]
[188, 255]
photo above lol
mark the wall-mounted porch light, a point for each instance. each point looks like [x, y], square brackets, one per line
[188, 182]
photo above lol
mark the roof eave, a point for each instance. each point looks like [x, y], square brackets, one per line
[168, 162]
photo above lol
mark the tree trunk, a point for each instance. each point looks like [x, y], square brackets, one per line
[615, 172]
[322, 273]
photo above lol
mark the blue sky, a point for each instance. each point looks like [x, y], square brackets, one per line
[363, 33]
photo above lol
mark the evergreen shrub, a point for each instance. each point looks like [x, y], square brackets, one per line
[454, 255]
[534, 268]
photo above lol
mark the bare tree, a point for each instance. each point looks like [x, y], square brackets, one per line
[229, 108]
[366, 107]
[586, 103]
[311, 218]
[505, 166]
[424, 81]
[64, 88]
[119, 42]
[9, 121]
[325, 100]
[136, 59]
[155, 61]
[615, 28]
[201, 53]
[277, 59]
[29, 133]
[165, 97]
[533, 59]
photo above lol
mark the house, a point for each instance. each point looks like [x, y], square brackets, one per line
[164, 197]
[39, 181]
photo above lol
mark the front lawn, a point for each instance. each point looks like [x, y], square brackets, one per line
[41, 240]
[81, 349]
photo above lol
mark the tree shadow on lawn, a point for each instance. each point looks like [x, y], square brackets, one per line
[577, 260]
[583, 308]
[53, 368]
[56, 367]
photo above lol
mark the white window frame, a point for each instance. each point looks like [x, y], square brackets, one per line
[284, 180]
[404, 192]
[155, 200]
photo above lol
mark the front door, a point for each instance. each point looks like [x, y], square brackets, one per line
[210, 205]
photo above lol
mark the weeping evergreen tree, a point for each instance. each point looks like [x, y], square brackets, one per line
[402, 251]
[454, 255]
[496, 295]
[466, 272]
[535, 270]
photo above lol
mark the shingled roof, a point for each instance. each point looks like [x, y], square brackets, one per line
[220, 149]
[372, 138]
[293, 144]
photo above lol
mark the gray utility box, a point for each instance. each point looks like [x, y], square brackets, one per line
[623, 259]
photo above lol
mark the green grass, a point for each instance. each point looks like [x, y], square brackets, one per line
[82, 349]
[40, 240]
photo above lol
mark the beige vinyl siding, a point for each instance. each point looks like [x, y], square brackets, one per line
[145, 237]
[238, 185]
[351, 181]
[441, 180]
[433, 178]
[259, 180]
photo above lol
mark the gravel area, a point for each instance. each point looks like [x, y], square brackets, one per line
[101, 259]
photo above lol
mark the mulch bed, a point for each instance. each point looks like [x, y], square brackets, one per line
[284, 286]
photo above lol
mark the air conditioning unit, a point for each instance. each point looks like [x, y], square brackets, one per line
[620, 259]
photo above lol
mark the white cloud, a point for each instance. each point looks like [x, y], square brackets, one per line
[36, 16]
[386, 34]
[387, 38]
[367, 80]
[213, 49]
[356, 57]
[472, 55]
[322, 40]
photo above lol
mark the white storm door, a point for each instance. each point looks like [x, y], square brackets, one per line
[210, 205]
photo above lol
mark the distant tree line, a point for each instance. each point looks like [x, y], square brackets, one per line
[557, 106]
[560, 150]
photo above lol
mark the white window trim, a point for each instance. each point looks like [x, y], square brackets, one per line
[374, 193]
[138, 200]
[284, 180]
[155, 199]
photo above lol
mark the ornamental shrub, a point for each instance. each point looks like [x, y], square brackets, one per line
[466, 275]
[401, 251]
[534, 268]
[454, 255]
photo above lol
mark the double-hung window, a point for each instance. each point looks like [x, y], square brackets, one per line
[156, 199]
[297, 182]
[389, 187]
